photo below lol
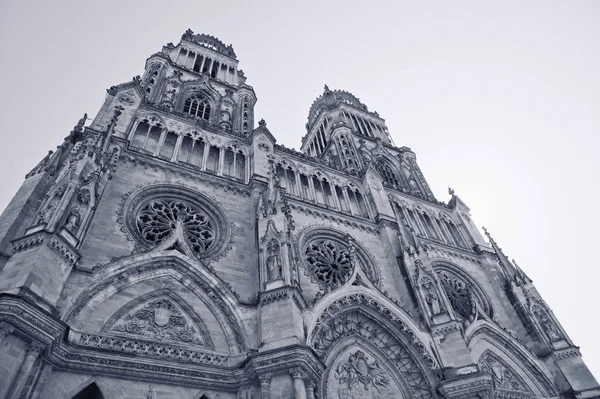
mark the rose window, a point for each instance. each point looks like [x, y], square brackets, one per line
[459, 295]
[329, 262]
[159, 218]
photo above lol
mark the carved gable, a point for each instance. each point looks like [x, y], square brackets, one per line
[504, 377]
[161, 317]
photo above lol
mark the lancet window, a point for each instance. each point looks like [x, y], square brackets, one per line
[245, 116]
[197, 107]
[150, 137]
[147, 136]
[390, 178]
[429, 226]
[234, 163]
[347, 153]
[191, 151]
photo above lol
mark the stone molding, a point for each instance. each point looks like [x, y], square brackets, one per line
[473, 385]
[74, 354]
[121, 279]
[566, 353]
[515, 349]
[149, 348]
[53, 241]
[442, 330]
[281, 294]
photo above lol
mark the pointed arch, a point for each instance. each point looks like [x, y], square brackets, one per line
[444, 267]
[483, 337]
[89, 389]
[179, 268]
[366, 259]
[357, 314]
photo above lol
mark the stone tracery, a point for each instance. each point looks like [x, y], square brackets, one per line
[159, 218]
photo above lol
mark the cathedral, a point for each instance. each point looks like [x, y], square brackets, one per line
[170, 248]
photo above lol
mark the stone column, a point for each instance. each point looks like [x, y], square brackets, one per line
[26, 366]
[298, 383]
[41, 382]
[265, 388]
[310, 389]
[5, 330]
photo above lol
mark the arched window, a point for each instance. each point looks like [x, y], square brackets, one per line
[168, 147]
[212, 163]
[386, 172]
[197, 107]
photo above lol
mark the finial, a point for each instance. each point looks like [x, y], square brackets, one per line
[485, 231]
[450, 191]
[262, 122]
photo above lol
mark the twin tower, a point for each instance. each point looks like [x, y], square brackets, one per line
[172, 249]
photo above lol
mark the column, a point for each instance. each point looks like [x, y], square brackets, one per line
[312, 189]
[336, 202]
[205, 156]
[177, 147]
[310, 389]
[448, 234]
[202, 65]
[26, 366]
[5, 330]
[221, 161]
[41, 381]
[161, 141]
[298, 383]
[265, 388]
[347, 198]
[210, 67]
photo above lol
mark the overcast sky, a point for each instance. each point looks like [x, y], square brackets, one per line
[499, 101]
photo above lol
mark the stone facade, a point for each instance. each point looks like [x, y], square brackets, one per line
[172, 249]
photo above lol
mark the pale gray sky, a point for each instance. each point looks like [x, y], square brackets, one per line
[499, 100]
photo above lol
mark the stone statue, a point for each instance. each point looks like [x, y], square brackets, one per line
[432, 299]
[170, 94]
[73, 219]
[45, 215]
[273, 263]
[79, 127]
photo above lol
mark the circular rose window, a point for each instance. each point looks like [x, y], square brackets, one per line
[156, 213]
[158, 219]
[330, 262]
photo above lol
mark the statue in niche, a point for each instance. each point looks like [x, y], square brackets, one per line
[73, 219]
[547, 325]
[273, 261]
[432, 299]
[45, 215]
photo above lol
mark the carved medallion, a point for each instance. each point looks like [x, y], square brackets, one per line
[160, 320]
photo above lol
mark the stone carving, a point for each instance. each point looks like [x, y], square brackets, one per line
[546, 324]
[357, 322]
[503, 376]
[357, 371]
[263, 146]
[274, 267]
[329, 262]
[158, 219]
[73, 219]
[159, 320]
[433, 300]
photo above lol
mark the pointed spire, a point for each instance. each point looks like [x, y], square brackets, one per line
[521, 273]
[507, 267]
